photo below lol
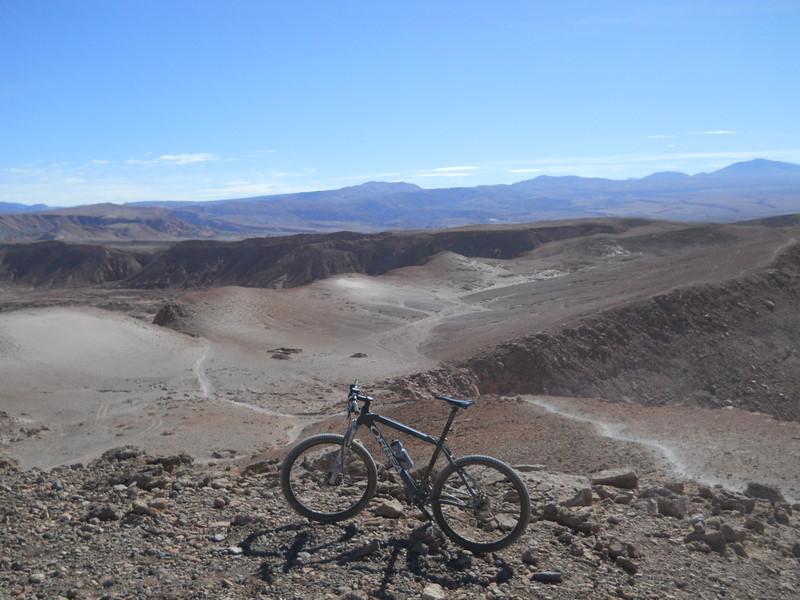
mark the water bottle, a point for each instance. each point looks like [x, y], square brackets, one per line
[401, 454]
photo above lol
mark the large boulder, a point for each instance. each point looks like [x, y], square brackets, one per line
[764, 492]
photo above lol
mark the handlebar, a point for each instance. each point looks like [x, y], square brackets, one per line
[354, 397]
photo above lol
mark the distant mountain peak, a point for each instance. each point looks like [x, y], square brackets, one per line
[758, 167]
[383, 186]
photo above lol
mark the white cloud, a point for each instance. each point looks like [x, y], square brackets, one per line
[187, 159]
[715, 132]
[176, 159]
[454, 169]
[524, 170]
[446, 174]
[662, 136]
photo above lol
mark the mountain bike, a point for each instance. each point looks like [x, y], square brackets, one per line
[478, 501]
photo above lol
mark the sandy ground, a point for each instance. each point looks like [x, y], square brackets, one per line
[97, 379]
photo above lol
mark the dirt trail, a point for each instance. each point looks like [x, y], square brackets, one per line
[713, 446]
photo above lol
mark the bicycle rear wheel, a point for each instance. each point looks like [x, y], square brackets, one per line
[481, 503]
[320, 487]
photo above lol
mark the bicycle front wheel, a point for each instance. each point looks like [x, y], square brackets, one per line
[321, 486]
[481, 503]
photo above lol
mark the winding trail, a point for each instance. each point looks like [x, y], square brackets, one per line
[298, 423]
[616, 431]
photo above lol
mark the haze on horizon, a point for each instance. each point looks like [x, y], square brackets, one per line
[128, 101]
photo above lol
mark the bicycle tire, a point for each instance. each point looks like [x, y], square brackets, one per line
[523, 498]
[321, 440]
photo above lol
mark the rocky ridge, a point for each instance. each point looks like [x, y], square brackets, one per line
[714, 345]
[131, 525]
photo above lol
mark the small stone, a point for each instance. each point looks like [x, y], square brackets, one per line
[528, 468]
[620, 478]
[755, 524]
[582, 498]
[627, 564]
[220, 502]
[547, 577]
[529, 558]
[433, 591]
[242, 519]
[671, 507]
[36, 578]
[391, 509]
[234, 550]
[739, 550]
[365, 550]
[615, 549]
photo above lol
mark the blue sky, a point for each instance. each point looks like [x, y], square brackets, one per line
[140, 100]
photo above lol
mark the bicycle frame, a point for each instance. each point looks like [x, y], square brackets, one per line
[417, 492]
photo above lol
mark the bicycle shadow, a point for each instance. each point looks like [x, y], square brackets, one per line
[297, 545]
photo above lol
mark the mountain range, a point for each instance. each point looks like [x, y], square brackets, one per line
[746, 190]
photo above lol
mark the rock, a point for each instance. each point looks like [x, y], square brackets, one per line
[625, 498]
[169, 463]
[170, 315]
[755, 524]
[103, 513]
[582, 498]
[764, 492]
[796, 549]
[391, 509]
[528, 468]
[671, 507]
[547, 577]
[220, 502]
[781, 516]
[739, 550]
[36, 578]
[627, 564]
[364, 551]
[234, 550]
[706, 492]
[715, 540]
[676, 487]
[425, 539]
[243, 519]
[122, 453]
[615, 549]
[698, 546]
[624, 478]
[139, 508]
[433, 591]
[732, 535]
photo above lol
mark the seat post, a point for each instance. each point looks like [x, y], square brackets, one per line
[449, 424]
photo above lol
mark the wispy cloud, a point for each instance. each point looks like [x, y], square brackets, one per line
[457, 171]
[715, 132]
[525, 170]
[175, 159]
[98, 161]
[662, 136]
[454, 169]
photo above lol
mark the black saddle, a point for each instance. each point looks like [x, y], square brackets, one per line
[456, 402]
